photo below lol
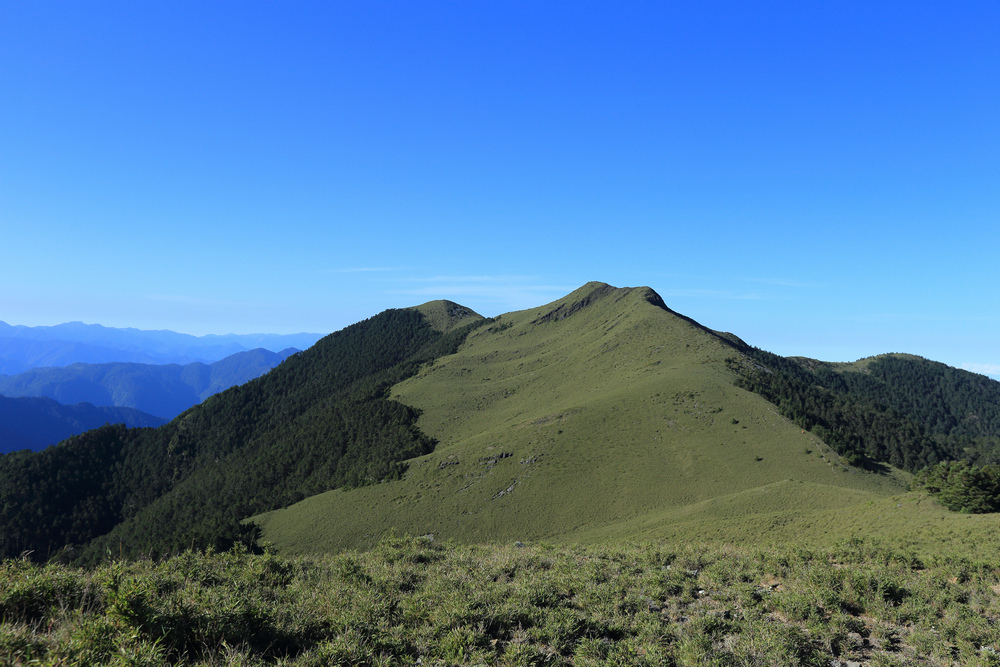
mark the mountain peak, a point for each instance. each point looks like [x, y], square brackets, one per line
[593, 292]
[444, 315]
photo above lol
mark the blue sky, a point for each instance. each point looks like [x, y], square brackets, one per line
[821, 179]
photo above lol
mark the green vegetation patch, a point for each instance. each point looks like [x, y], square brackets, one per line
[961, 487]
[416, 601]
[445, 315]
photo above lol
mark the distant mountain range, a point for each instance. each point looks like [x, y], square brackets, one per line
[23, 348]
[36, 423]
[163, 390]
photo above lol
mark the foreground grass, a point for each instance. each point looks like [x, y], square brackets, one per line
[418, 602]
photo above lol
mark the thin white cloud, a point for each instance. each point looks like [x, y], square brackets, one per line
[365, 269]
[917, 317]
[474, 279]
[707, 294]
[778, 282]
[984, 369]
[488, 291]
[507, 292]
[200, 301]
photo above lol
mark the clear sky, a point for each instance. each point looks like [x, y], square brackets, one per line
[820, 178]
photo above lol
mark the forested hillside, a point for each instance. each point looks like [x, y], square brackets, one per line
[319, 421]
[899, 409]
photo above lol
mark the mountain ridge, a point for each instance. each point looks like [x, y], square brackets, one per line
[445, 316]
[319, 420]
[603, 413]
[38, 422]
[164, 390]
[601, 407]
[23, 348]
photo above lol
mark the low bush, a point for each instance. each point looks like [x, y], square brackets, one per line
[414, 601]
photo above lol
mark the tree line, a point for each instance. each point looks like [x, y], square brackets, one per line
[913, 413]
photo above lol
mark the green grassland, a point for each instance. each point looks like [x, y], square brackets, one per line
[445, 316]
[418, 602]
[604, 415]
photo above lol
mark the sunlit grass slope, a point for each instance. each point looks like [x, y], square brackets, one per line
[445, 315]
[601, 415]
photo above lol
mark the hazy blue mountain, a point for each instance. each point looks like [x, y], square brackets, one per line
[272, 342]
[36, 423]
[21, 354]
[164, 390]
[23, 348]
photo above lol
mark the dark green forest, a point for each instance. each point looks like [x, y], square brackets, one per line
[904, 410]
[320, 420]
[962, 487]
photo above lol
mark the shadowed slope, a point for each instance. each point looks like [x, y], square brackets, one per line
[37, 422]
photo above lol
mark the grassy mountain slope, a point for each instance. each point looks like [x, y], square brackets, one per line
[600, 410]
[318, 421]
[444, 316]
[419, 602]
[162, 390]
